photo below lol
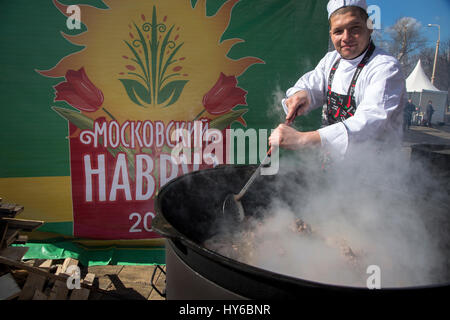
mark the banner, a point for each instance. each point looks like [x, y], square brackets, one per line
[93, 92]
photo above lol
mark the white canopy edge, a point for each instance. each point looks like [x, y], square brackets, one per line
[418, 80]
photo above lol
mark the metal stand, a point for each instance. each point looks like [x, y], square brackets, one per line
[152, 281]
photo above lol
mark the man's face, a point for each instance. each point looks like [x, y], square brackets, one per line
[350, 34]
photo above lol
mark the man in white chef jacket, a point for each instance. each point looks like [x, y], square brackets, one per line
[361, 87]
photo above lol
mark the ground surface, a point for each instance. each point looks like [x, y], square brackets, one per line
[127, 282]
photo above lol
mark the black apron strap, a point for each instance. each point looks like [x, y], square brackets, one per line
[361, 65]
[336, 102]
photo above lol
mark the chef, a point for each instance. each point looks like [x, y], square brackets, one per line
[360, 87]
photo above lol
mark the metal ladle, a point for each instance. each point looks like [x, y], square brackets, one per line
[232, 205]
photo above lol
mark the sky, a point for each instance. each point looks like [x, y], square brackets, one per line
[429, 11]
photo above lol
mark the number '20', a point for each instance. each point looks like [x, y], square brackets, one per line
[136, 226]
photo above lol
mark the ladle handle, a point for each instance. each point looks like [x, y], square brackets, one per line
[250, 181]
[269, 153]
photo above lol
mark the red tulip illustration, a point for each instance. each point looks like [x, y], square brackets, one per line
[223, 96]
[79, 91]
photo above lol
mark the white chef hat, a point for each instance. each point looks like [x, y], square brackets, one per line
[334, 5]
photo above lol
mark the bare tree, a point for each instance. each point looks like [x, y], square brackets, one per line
[379, 40]
[426, 55]
[406, 39]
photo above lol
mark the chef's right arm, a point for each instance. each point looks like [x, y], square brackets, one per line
[308, 93]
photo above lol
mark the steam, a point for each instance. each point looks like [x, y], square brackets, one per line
[276, 111]
[373, 208]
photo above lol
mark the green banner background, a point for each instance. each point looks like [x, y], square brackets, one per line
[290, 36]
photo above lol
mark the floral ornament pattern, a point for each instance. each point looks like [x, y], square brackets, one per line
[223, 96]
[79, 91]
[153, 55]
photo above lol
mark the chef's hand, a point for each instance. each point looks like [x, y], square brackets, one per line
[297, 105]
[289, 138]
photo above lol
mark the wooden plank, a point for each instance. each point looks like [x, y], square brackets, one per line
[68, 262]
[59, 269]
[21, 239]
[8, 287]
[11, 236]
[7, 207]
[59, 291]
[48, 288]
[34, 282]
[46, 265]
[89, 279]
[37, 262]
[3, 231]
[20, 276]
[23, 224]
[14, 253]
[39, 295]
[10, 210]
[24, 266]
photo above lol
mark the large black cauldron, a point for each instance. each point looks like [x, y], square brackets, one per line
[189, 212]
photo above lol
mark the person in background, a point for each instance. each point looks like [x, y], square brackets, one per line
[407, 114]
[361, 85]
[418, 117]
[429, 113]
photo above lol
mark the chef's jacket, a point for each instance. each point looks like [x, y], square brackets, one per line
[379, 94]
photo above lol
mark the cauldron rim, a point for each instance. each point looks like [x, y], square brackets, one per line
[163, 227]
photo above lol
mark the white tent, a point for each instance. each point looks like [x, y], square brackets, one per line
[421, 90]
